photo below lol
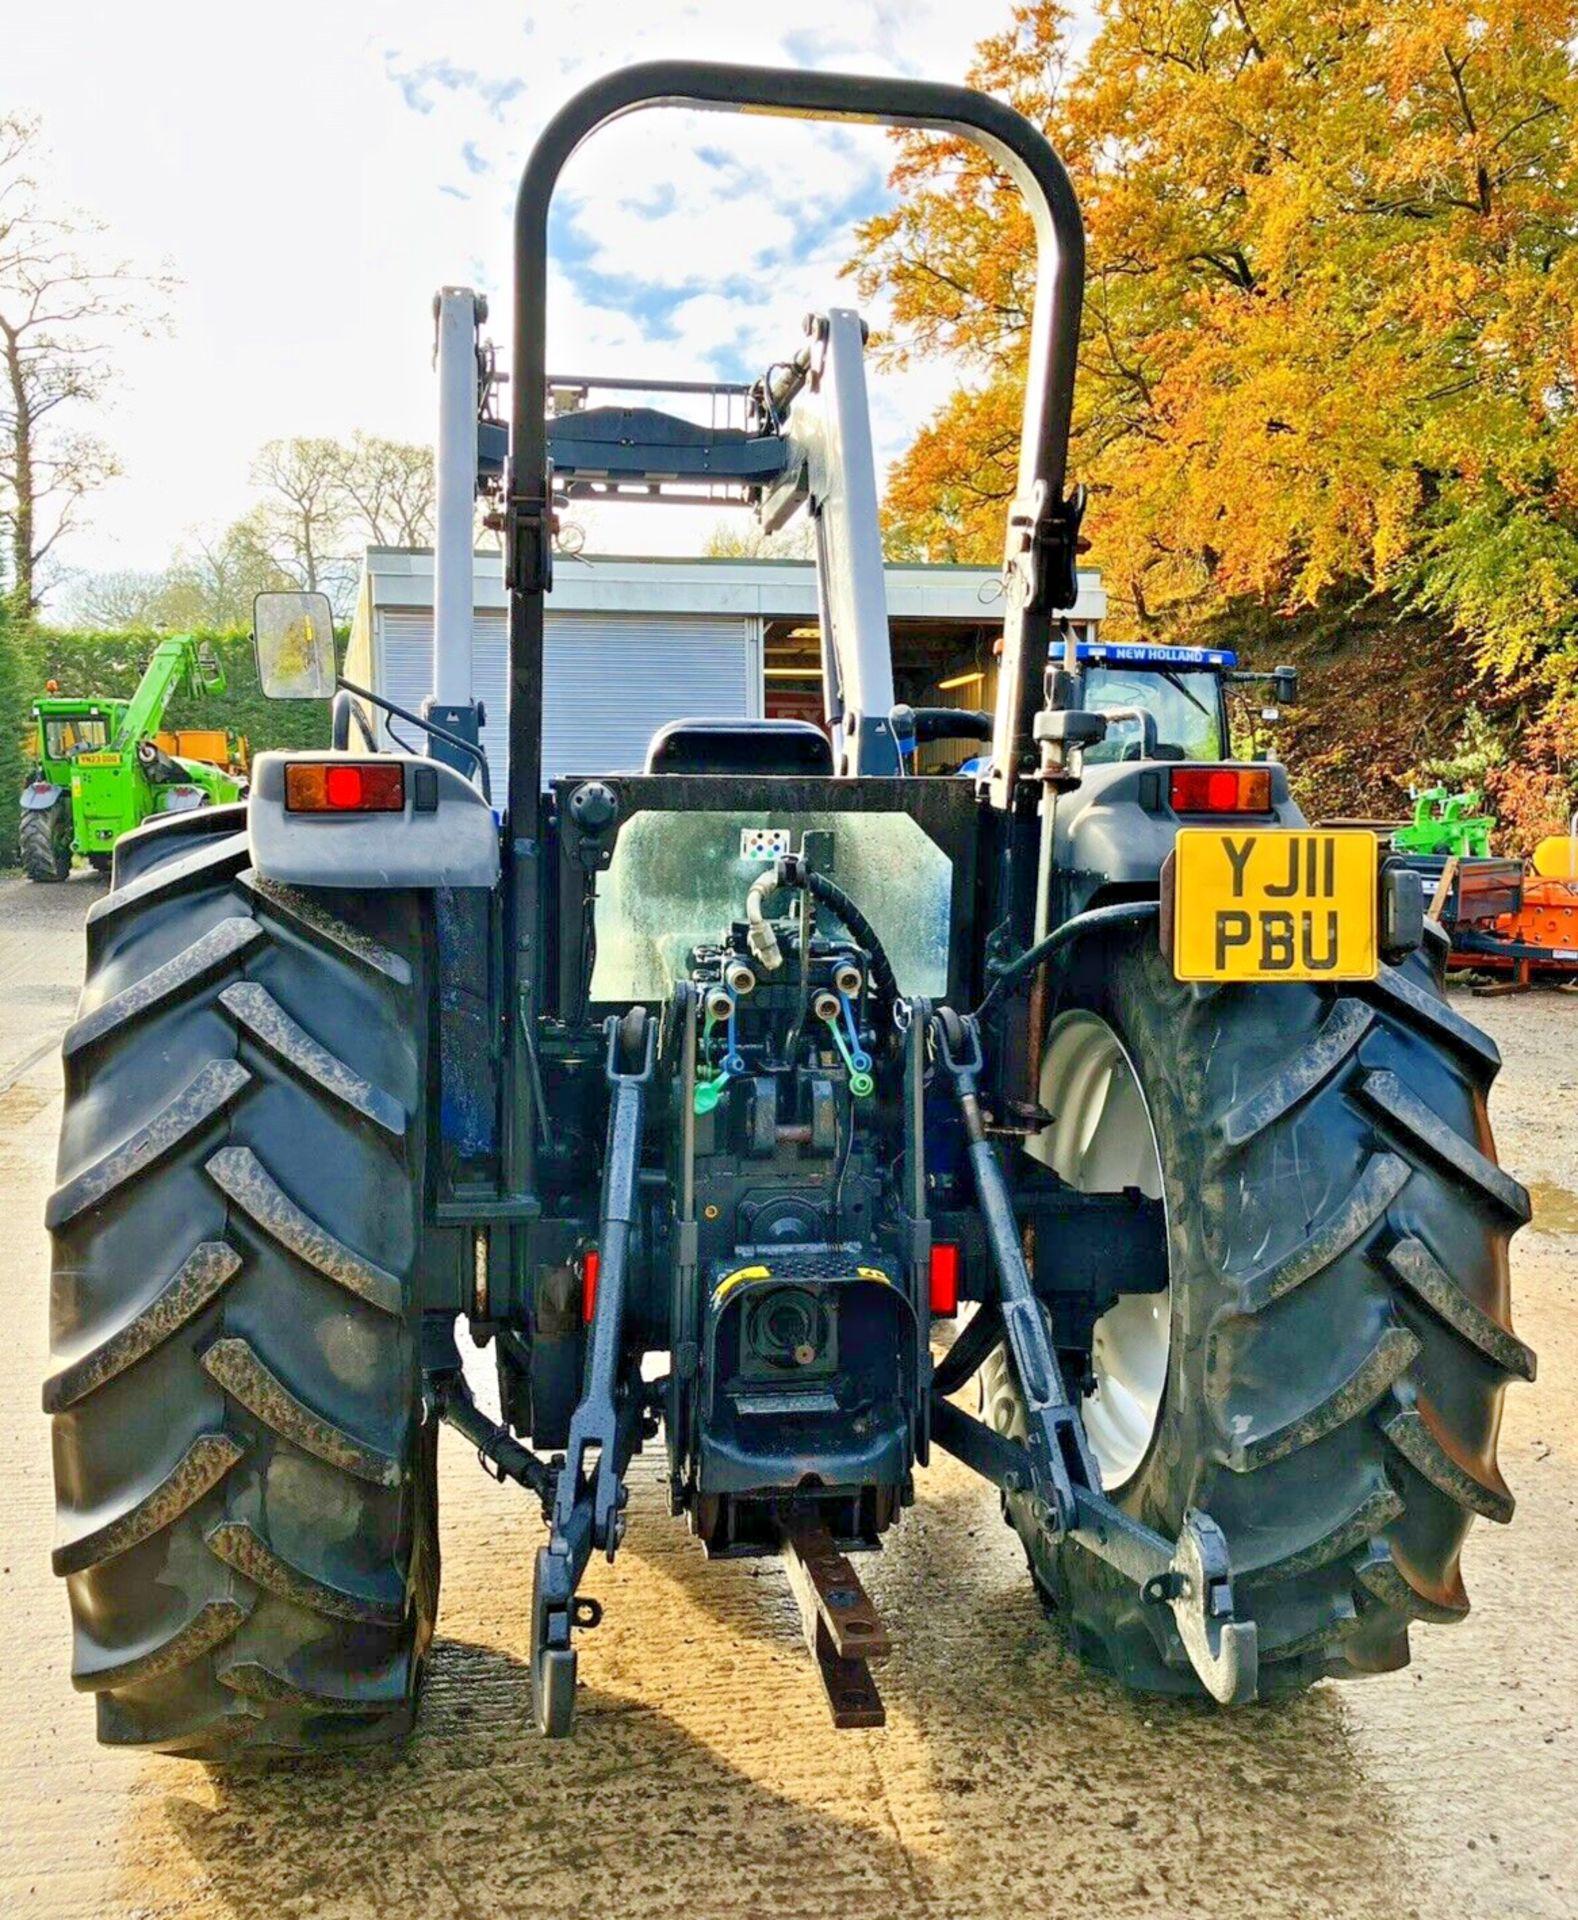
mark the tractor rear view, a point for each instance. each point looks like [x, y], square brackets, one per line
[1093, 1120]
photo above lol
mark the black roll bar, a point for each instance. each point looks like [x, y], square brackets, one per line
[1042, 525]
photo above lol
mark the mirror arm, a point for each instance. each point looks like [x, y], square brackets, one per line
[429, 727]
[343, 712]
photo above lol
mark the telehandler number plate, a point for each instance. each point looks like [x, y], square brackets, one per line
[1260, 905]
[98, 759]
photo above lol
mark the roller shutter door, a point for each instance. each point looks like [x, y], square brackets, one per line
[407, 677]
[612, 680]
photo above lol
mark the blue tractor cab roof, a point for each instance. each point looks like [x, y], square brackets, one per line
[1113, 653]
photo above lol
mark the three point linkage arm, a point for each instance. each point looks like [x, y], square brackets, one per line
[1054, 1467]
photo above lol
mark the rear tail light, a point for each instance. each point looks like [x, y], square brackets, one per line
[944, 1279]
[590, 1264]
[344, 786]
[1219, 790]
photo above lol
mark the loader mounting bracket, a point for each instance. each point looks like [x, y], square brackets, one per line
[1044, 548]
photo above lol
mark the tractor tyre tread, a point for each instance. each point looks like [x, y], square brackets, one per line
[44, 852]
[1341, 1340]
[245, 1484]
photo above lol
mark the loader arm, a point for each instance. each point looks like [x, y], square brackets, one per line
[177, 666]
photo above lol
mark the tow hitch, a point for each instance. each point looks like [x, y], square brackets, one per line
[1054, 1465]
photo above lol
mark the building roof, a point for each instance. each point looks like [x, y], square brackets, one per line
[768, 589]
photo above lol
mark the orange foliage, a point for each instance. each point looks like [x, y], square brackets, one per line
[1329, 333]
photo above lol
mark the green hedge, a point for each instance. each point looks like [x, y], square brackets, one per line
[15, 685]
[111, 664]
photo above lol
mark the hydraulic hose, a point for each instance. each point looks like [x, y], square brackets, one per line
[760, 938]
[791, 871]
[1126, 913]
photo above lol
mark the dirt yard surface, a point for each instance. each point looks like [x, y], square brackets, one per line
[704, 1780]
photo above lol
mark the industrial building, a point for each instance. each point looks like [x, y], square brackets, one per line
[634, 643]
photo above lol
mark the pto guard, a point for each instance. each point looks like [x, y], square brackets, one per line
[805, 1356]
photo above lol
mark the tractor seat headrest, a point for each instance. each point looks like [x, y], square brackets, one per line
[739, 746]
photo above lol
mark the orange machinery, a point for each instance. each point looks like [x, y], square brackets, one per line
[216, 746]
[1538, 934]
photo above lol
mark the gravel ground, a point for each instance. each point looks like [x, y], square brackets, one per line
[704, 1779]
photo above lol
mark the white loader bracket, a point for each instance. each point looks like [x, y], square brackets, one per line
[832, 468]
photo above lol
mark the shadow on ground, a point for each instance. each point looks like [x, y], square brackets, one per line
[1008, 1781]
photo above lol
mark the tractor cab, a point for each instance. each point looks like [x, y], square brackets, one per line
[1161, 703]
[68, 729]
[1170, 703]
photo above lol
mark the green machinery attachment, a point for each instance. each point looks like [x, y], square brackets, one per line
[1446, 823]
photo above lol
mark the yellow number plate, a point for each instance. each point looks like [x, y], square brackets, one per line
[1252, 904]
[98, 759]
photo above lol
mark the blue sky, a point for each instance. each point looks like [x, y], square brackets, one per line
[311, 173]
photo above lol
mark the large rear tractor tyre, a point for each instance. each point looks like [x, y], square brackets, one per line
[44, 843]
[245, 1486]
[1324, 1375]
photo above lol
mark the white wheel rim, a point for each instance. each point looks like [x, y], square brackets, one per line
[1101, 1140]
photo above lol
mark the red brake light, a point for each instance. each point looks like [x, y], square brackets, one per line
[590, 1263]
[344, 786]
[944, 1279]
[1219, 790]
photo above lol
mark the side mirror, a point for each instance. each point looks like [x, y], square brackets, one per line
[294, 637]
[1285, 686]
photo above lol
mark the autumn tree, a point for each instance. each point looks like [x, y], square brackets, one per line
[744, 539]
[389, 490]
[300, 522]
[1328, 334]
[14, 686]
[322, 501]
[209, 584]
[64, 305]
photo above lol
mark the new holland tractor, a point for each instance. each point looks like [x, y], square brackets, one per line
[1093, 1121]
[104, 768]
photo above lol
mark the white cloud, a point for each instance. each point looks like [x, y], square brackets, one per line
[314, 171]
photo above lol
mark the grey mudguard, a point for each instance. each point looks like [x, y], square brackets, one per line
[37, 797]
[1116, 828]
[454, 842]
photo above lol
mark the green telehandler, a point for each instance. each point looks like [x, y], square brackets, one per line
[101, 771]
